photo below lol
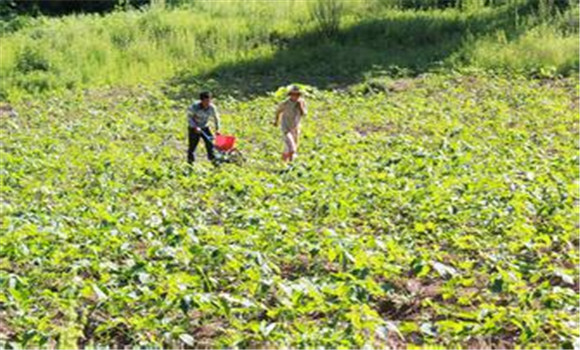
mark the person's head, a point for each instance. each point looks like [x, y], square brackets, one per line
[294, 93]
[205, 98]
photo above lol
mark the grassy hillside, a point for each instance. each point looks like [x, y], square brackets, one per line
[434, 213]
[281, 39]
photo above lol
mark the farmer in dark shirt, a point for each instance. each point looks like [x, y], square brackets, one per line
[198, 117]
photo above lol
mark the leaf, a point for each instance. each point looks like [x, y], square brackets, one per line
[420, 227]
[444, 270]
[17, 295]
[266, 329]
[427, 328]
[99, 293]
[566, 278]
[383, 331]
[331, 254]
[186, 303]
[450, 326]
[420, 267]
[187, 339]
[497, 285]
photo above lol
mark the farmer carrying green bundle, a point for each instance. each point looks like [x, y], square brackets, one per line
[288, 115]
[198, 117]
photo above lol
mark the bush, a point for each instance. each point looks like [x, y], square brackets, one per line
[31, 59]
[37, 82]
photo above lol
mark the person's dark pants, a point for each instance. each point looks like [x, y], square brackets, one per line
[194, 137]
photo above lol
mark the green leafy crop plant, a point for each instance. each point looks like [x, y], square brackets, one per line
[440, 212]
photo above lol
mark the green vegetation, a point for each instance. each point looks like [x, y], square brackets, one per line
[438, 214]
[292, 38]
[434, 201]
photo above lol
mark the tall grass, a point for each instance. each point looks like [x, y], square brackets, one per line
[138, 46]
[127, 47]
[327, 14]
[142, 46]
[542, 51]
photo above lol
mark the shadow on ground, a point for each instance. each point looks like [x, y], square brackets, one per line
[402, 45]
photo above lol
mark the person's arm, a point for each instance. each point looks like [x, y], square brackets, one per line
[302, 107]
[190, 117]
[216, 119]
[190, 114]
[279, 111]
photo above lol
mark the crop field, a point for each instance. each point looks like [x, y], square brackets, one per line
[433, 203]
[429, 213]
